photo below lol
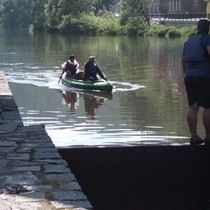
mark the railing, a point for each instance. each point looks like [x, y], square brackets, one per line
[185, 16]
[191, 16]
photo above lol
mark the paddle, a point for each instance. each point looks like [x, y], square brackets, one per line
[59, 79]
[105, 79]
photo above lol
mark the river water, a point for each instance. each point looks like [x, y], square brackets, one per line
[147, 106]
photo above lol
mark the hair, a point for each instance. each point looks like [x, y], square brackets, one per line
[203, 26]
[91, 58]
[71, 56]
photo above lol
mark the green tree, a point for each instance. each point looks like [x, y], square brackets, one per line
[17, 13]
[9, 14]
[59, 13]
[134, 14]
[1, 13]
[38, 15]
[75, 8]
[52, 16]
[76, 16]
[100, 4]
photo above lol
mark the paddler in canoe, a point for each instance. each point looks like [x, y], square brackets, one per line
[92, 70]
[71, 67]
[88, 79]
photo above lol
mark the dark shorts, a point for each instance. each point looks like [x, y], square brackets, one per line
[198, 90]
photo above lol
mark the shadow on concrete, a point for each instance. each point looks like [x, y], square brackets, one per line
[143, 178]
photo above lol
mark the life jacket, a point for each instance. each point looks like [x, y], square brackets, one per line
[70, 68]
[195, 48]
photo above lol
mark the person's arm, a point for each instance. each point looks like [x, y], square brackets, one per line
[101, 74]
[64, 68]
[77, 64]
[85, 71]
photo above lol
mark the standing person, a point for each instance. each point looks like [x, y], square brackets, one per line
[71, 67]
[196, 67]
[92, 70]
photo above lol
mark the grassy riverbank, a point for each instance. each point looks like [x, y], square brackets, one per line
[107, 24]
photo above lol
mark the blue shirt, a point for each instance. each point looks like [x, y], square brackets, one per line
[198, 68]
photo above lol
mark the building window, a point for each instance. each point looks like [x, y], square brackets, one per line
[180, 5]
[157, 8]
[172, 6]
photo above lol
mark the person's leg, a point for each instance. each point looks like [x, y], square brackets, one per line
[192, 88]
[192, 120]
[204, 101]
[206, 122]
[79, 75]
[68, 74]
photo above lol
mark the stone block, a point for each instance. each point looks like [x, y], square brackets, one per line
[68, 196]
[56, 169]
[79, 205]
[27, 168]
[60, 177]
[17, 156]
[30, 197]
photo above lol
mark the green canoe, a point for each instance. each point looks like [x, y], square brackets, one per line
[99, 85]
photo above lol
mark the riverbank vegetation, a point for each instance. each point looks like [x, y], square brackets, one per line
[90, 17]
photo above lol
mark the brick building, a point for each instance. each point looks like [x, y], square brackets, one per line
[182, 7]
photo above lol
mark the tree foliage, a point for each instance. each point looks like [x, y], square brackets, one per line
[104, 4]
[38, 15]
[134, 13]
[72, 16]
[17, 13]
[59, 13]
[52, 14]
[42, 13]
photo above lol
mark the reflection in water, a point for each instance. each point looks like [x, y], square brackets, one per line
[149, 103]
[92, 104]
[92, 101]
[71, 99]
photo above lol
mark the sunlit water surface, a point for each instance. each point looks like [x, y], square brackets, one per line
[147, 106]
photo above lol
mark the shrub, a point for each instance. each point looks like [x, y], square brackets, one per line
[163, 31]
[157, 31]
[186, 31]
[173, 32]
[104, 23]
[134, 25]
